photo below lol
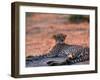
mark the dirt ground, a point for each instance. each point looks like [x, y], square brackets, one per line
[41, 27]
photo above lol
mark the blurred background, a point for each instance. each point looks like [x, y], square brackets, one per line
[40, 27]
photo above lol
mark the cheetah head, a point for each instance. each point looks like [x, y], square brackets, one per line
[59, 38]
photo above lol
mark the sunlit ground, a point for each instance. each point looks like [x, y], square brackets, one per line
[41, 27]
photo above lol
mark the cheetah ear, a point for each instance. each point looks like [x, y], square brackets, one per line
[64, 36]
[54, 36]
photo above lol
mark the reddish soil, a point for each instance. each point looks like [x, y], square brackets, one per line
[41, 27]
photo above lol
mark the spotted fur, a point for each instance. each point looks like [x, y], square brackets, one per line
[73, 53]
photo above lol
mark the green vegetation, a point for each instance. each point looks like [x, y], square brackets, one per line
[78, 18]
